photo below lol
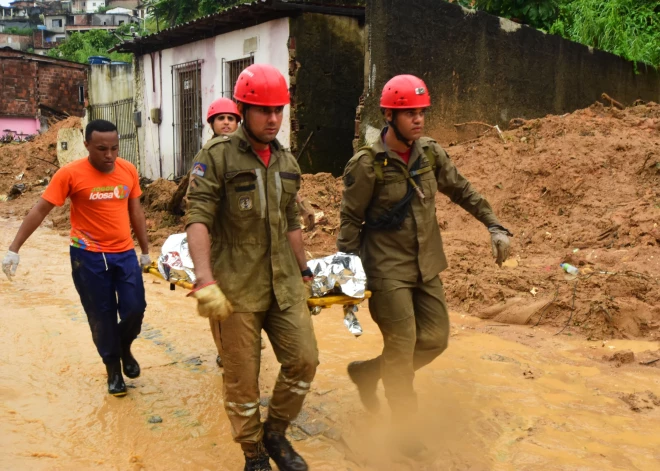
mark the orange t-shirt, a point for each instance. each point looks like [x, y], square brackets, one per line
[99, 204]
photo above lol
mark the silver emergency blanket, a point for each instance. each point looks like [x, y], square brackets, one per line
[174, 262]
[351, 321]
[340, 273]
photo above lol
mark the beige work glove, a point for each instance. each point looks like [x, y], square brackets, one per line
[499, 239]
[212, 302]
[307, 213]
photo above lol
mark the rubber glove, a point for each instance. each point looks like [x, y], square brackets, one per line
[499, 239]
[10, 263]
[145, 261]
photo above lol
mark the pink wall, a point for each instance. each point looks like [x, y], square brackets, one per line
[24, 126]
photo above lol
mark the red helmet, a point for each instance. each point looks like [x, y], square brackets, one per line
[222, 106]
[261, 85]
[405, 91]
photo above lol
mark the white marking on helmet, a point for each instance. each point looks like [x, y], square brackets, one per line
[420, 91]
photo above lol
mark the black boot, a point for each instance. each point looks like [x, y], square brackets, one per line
[130, 364]
[116, 385]
[280, 450]
[365, 375]
[256, 458]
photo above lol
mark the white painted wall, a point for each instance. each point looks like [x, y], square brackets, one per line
[109, 83]
[272, 49]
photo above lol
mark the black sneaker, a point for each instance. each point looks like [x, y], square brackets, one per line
[281, 451]
[116, 385]
[130, 364]
[365, 375]
[257, 459]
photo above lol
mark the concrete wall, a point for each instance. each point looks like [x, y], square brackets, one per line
[130, 4]
[485, 68]
[87, 5]
[51, 21]
[155, 143]
[327, 64]
[83, 19]
[109, 83]
[102, 19]
[14, 41]
[70, 145]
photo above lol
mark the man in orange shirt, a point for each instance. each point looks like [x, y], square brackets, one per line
[104, 191]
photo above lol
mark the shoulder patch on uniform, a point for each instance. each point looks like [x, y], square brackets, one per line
[198, 169]
[349, 180]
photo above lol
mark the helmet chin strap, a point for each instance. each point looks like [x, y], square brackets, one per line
[247, 127]
[397, 133]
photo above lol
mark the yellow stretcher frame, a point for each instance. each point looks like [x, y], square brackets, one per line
[323, 302]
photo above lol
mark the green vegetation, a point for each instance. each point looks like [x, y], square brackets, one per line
[80, 46]
[19, 31]
[628, 28]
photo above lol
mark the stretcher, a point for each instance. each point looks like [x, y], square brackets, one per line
[322, 302]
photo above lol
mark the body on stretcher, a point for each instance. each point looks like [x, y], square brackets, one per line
[320, 302]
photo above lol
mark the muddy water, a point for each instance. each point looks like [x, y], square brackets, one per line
[499, 398]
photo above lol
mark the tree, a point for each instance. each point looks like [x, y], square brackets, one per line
[80, 46]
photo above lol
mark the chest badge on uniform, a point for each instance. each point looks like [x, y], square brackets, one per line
[245, 203]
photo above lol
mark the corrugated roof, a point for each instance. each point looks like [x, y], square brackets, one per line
[233, 18]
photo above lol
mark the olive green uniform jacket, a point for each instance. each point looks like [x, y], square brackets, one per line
[248, 210]
[415, 251]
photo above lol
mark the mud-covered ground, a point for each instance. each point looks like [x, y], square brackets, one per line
[500, 398]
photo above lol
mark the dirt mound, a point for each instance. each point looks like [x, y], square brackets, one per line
[324, 193]
[29, 163]
[580, 188]
[34, 160]
[161, 223]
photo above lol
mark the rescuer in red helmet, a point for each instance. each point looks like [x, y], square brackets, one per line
[388, 217]
[242, 196]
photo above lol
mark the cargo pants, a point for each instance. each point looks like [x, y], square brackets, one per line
[414, 321]
[215, 331]
[291, 334]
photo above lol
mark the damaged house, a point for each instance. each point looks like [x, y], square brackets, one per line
[179, 71]
[34, 88]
